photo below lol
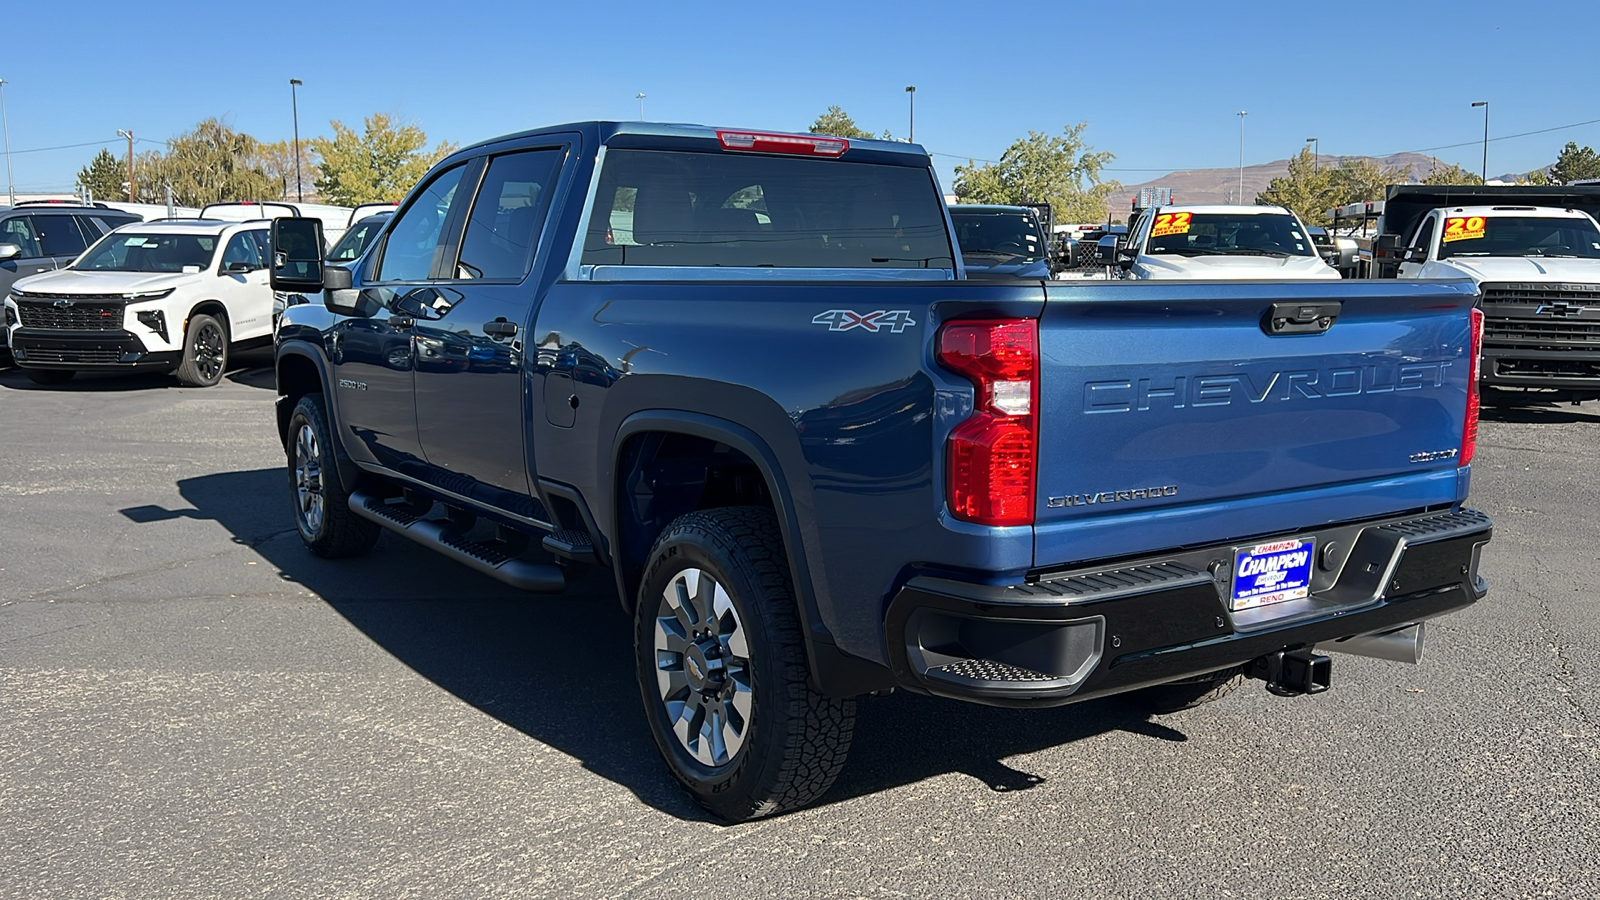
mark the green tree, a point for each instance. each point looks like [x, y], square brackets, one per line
[276, 159]
[104, 176]
[381, 164]
[1359, 180]
[1307, 189]
[1452, 174]
[1575, 163]
[837, 122]
[1061, 170]
[211, 163]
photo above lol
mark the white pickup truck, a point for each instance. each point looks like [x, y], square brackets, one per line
[1539, 271]
[1231, 242]
[174, 296]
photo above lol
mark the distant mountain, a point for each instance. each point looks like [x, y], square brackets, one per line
[1222, 185]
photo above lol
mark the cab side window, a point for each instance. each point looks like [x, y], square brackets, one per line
[1424, 239]
[413, 242]
[58, 235]
[508, 215]
[19, 230]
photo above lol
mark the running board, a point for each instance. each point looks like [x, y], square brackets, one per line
[539, 578]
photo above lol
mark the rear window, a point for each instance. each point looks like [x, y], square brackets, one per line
[668, 208]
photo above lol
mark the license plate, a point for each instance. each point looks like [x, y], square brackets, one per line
[1271, 573]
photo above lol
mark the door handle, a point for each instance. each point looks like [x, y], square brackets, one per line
[400, 323]
[500, 328]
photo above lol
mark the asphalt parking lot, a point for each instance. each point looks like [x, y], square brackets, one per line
[196, 707]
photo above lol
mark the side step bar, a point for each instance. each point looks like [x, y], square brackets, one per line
[539, 578]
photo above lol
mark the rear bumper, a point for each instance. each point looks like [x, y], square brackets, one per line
[34, 348]
[1094, 632]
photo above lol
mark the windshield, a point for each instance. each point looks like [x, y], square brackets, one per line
[125, 252]
[997, 233]
[1519, 236]
[1228, 234]
[355, 241]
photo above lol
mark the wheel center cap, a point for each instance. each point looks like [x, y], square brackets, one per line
[702, 663]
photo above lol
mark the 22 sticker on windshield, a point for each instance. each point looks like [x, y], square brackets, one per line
[1171, 223]
[1465, 228]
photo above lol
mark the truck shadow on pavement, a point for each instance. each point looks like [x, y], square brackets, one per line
[1542, 414]
[559, 668]
[251, 368]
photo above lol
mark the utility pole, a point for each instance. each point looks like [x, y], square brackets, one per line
[129, 135]
[294, 101]
[1484, 175]
[640, 98]
[11, 186]
[911, 96]
[1316, 166]
[1241, 115]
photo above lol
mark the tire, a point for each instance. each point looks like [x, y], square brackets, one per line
[1182, 695]
[50, 376]
[205, 351]
[317, 493]
[723, 574]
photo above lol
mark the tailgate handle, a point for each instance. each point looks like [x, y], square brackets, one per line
[1300, 318]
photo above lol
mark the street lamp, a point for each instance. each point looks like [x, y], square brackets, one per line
[1485, 173]
[129, 135]
[1241, 114]
[640, 98]
[11, 187]
[1316, 165]
[294, 102]
[911, 97]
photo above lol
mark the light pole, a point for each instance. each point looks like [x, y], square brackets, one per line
[1485, 173]
[294, 103]
[129, 135]
[1316, 165]
[11, 187]
[1241, 114]
[640, 98]
[911, 97]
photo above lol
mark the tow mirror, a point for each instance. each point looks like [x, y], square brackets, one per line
[1389, 242]
[1126, 257]
[297, 255]
[9, 252]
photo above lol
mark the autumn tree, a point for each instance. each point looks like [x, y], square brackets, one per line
[1450, 174]
[1307, 189]
[1575, 164]
[379, 165]
[1061, 170]
[104, 177]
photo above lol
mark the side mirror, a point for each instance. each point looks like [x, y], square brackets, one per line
[1126, 257]
[297, 255]
[9, 252]
[1415, 254]
[239, 267]
[1389, 242]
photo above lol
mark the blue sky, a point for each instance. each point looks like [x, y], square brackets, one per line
[1367, 78]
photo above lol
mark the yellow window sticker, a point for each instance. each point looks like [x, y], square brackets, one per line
[1465, 228]
[1171, 223]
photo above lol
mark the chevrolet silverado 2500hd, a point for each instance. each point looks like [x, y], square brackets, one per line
[745, 373]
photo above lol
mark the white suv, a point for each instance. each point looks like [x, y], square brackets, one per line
[171, 295]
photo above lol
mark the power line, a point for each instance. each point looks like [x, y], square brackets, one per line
[69, 146]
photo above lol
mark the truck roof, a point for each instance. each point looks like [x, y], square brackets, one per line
[606, 131]
[191, 226]
[1226, 208]
[1540, 212]
[1406, 204]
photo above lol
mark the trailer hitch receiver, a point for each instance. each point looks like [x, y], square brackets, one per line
[1290, 673]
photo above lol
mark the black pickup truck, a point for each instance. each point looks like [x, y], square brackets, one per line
[745, 373]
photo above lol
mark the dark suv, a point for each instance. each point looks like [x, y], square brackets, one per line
[36, 239]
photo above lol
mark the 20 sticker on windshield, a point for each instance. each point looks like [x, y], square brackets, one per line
[1271, 573]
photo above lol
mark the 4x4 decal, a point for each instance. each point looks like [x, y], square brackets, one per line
[895, 320]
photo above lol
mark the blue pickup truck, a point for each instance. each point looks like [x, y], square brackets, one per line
[745, 373]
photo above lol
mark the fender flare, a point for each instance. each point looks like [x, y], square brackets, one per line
[836, 672]
[348, 470]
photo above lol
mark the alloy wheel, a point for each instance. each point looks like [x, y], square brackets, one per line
[308, 478]
[703, 668]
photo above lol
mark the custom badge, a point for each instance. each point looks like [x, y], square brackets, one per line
[891, 320]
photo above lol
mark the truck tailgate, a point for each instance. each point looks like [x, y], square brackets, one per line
[1170, 417]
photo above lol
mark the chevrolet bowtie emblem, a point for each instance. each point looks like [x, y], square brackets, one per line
[1560, 308]
[62, 304]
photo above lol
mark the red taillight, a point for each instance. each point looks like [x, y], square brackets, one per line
[1469, 433]
[798, 144]
[993, 456]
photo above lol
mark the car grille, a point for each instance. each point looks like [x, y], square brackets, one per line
[75, 354]
[1523, 330]
[1536, 295]
[80, 315]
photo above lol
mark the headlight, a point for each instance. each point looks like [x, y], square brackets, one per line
[136, 296]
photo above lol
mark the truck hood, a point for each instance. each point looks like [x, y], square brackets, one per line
[1235, 267]
[73, 282]
[1525, 268]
